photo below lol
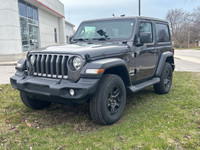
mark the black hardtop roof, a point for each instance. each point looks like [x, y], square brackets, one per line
[121, 18]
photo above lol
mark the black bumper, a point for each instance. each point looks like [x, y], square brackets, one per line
[84, 88]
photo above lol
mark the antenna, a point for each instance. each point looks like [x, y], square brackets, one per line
[69, 16]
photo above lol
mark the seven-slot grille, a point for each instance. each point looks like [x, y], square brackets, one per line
[50, 65]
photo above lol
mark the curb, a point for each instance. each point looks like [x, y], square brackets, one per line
[8, 63]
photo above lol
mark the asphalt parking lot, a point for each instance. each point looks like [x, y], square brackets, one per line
[185, 60]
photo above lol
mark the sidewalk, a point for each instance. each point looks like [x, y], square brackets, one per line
[190, 55]
[5, 73]
[7, 60]
[191, 59]
[9, 63]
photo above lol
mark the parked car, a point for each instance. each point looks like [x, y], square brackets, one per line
[106, 59]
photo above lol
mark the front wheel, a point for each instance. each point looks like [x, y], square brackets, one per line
[32, 102]
[107, 105]
[165, 80]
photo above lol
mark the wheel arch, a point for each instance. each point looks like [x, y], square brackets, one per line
[170, 60]
[111, 66]
[165, 57]
[121, 71]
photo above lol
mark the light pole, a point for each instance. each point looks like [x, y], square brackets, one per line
[139, 7]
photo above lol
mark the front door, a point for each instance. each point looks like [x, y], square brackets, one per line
[145, 55]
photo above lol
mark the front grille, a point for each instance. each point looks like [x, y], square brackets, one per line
[50, 65]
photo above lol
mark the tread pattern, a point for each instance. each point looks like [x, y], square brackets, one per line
[94, 104]
[96, 110]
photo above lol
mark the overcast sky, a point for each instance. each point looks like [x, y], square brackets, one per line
[78, 10]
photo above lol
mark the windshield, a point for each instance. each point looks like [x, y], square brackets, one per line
[102, 30]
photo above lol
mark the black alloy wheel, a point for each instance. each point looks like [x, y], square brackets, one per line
[114, 100]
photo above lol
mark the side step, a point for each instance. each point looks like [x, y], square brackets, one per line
[138, 87]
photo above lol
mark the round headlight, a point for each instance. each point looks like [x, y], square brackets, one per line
[32, 60]
[77, 63]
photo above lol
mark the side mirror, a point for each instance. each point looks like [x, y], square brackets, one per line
[145, 37]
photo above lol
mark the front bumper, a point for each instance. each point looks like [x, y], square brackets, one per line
[84, 88]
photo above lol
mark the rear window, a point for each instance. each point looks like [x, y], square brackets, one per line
[162, 32]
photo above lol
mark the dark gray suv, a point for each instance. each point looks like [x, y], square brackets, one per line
[105, 59]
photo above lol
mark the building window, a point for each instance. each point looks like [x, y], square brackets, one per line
[30, 12]
[35, 14]
[55, 34]
[29, 25]
[22, 8]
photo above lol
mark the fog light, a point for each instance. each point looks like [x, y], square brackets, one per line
[71, 92]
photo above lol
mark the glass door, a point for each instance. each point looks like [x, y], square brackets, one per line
[24, 33]
[33, 37]
[29, 25]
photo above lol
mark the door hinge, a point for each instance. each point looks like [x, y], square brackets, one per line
[135, 71]
[134, 55]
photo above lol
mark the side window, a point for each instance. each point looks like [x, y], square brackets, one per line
[146, 27]
[162, 32]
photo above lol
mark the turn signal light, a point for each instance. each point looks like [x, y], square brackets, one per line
[94, 71]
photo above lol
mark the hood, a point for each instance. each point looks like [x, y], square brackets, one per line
[94, 50]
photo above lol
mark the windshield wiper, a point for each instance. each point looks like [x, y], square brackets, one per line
[101, 39]
[81, 39]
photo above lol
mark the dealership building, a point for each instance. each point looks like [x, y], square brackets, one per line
[30, 24]
[69, 31]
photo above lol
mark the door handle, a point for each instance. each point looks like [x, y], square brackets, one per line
[135, 54]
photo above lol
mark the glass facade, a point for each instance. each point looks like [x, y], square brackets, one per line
[29, 26]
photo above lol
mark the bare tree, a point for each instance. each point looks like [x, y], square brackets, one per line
[185, 27]
[196, 19]
[179, 22]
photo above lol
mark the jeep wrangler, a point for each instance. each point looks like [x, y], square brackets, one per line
[106, 59]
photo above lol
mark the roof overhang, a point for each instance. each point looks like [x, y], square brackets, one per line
[66, 22]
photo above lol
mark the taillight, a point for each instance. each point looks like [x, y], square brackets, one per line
[173, 51]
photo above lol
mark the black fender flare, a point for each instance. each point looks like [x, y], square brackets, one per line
[105, 64]
[161, 63]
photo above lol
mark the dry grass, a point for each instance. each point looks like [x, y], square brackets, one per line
[150, 121]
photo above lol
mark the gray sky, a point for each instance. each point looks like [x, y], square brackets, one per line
[78, 10]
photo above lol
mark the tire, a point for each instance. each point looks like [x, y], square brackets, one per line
[165, 80]
[107, 105]
[33, 103]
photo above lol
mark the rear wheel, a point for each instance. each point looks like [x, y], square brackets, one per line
[165, 80]
[108, 103]
[32, 102]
